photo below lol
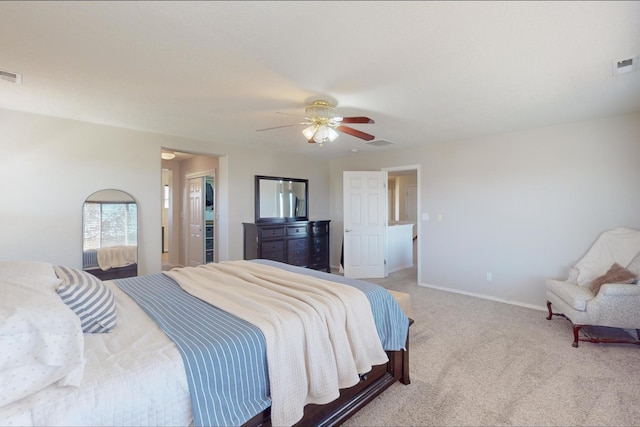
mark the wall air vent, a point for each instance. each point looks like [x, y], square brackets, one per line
[627, 65]
[11, 77]
[379, 142]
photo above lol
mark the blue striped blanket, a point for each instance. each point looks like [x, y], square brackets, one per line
[224, 356]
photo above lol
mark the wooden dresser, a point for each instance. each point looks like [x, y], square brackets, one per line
[300, 243]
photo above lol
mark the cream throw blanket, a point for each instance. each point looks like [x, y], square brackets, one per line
[116, 256]
[319, 334]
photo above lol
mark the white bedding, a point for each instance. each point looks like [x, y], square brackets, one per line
[133, 376]
[41, 341]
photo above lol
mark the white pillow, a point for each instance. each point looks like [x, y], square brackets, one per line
[41, 341]
[29, 273]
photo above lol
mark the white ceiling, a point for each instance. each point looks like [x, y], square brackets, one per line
[426, 72]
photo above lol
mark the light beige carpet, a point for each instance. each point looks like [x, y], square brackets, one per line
[476, 362]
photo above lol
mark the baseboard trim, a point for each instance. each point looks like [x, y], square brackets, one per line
[483, 296]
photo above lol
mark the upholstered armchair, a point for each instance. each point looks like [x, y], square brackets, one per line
[602, 288]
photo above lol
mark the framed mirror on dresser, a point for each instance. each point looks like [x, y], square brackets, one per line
[282, 230]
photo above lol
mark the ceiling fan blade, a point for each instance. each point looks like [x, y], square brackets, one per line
[355, 132]
[289, 114]
[285, 126]
[357, 120]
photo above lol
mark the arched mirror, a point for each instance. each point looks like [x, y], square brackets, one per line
[110, 235]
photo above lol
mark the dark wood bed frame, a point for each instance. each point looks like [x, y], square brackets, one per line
[352, 399]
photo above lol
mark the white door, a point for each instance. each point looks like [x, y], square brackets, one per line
[365, 223]
[195, 244]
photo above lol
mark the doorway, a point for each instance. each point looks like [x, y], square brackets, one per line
[190, 214]
[404, 205]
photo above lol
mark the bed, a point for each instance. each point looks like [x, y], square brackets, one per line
[136, 375]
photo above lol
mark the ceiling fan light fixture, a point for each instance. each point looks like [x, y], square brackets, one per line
[319, 110]
[309, 132]
[324, 125]
[322, 134]
[332, 134]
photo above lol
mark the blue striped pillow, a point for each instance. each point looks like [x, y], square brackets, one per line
[90, 299]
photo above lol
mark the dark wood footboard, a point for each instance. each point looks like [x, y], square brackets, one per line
[352, 399]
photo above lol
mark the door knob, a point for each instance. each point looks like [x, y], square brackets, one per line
[347, 230]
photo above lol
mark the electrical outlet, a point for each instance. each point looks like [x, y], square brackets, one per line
[489, 277]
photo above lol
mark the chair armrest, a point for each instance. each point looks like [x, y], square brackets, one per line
[571, 280]
[619, 289]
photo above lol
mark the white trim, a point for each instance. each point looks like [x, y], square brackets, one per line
[488, 297]
[200, 174]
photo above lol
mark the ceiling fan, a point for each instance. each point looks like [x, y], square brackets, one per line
[324, 124]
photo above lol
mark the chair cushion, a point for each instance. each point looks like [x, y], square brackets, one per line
[618, 245]
[575, 296]
[615, 274]
[634, 266]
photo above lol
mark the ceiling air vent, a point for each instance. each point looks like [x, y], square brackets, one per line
[627, 65]
[11, 77]
[379, 142]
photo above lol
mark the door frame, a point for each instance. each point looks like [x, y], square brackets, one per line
[392, 169]
[185, 216]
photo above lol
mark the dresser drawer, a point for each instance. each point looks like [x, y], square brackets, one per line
[296, 244]
[318, 259]
[298, 230]
[270, 232]
[274, 256]
[320, 229]
[298, 262]
[275, 246]
[297, 251]
[319, 243]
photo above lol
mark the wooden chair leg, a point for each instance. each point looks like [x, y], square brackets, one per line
[576, 329]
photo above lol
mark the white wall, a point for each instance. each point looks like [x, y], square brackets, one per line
[49, 166]
[524, 206]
